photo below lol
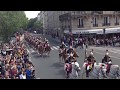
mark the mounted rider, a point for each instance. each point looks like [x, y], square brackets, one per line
[70, 58]
[70, 50]
[45, 44]
[107, 60]
[62, 46]
[68, 63]
[90, 62]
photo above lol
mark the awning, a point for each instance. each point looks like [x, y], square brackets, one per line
[96, 31]
[112, 30]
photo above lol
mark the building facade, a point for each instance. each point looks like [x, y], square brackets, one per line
[89, 20]
[71, 21]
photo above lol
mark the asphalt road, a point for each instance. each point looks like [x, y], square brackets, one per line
[50, 68]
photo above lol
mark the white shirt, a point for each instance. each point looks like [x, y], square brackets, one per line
[21, 76]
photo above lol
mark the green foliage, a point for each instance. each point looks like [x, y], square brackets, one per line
[10, 22]
[31, 22]
[38, 24]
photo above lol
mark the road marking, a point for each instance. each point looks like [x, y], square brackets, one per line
[103, 49]
[55, 48]
[103, 54]
[52, 48]
[28, 51]
[37, 78]
[32, 50]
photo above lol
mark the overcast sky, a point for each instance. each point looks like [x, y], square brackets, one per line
[31, 14]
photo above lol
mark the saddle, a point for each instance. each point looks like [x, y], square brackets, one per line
[89, 66]
[108, 68]
[68, 67]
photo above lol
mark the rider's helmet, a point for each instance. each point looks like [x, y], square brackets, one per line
[71, 47]
[63, 43]
[106, 54]
[45, 39]
[71, 55]
[91, 53]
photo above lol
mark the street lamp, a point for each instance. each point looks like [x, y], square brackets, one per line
[104, 33]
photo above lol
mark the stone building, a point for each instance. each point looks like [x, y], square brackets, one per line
[79, 21]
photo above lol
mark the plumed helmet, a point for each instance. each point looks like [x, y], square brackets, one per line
[62, 42]
[106, 53]
[91, 53]
[71, 55]
[70, 47]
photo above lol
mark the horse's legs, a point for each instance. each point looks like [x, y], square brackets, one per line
[59, 58]
[62, 59]
[67, 73]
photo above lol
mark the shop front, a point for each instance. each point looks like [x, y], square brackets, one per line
[112, 32]
[95, 33]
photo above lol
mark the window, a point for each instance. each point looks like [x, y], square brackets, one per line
[106, 21]
[80, 22]
[116, 20]
[95, 22]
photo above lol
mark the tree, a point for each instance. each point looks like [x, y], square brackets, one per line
[38, 24]
[10, 22]
[31, 22]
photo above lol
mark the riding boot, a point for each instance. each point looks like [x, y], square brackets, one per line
[108, 69]
[104, 75]
[87, 72]
[67, 75]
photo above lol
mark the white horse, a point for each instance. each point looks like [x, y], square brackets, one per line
[97, 72]
[75, 72]
[114, 72]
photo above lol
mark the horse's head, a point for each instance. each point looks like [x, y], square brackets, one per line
[77, 67]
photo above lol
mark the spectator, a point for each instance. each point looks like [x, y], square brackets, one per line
[28, 73]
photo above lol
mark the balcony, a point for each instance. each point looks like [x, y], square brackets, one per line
[96, 12]
[116, 12]
[80, 26]
[95, 25]
[117, 23]
[106, 24]
[108, 12]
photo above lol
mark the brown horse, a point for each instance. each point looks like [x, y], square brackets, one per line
[75, 54]
[63, 54]
[47, 50]
[40, 50]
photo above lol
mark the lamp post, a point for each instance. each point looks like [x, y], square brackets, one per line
[104, 33]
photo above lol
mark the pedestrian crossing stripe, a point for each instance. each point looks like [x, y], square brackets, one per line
[52, 48]
[109, 49]
[55, 47]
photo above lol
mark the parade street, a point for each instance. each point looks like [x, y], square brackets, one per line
[50, 68]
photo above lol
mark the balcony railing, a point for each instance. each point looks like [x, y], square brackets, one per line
[80, 26]
[106, 24]
[97, 12]
[95, 25]
[117, 23]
